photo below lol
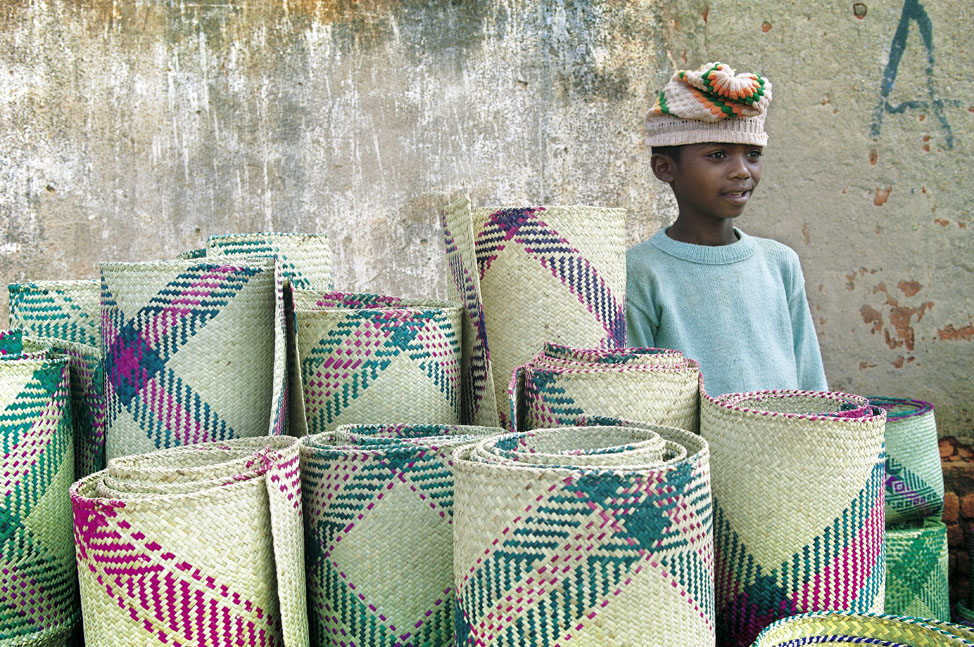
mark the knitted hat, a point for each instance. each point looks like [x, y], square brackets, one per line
[710, 104]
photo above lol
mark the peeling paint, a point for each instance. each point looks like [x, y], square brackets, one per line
[949, 333]
[909, 288]
[882, 195]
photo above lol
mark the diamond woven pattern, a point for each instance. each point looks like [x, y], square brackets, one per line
[305, 259]
[68, 310]
[798, 498]
[843, 628]
[916, 570]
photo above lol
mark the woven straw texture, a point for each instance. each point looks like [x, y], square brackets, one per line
[368, 359]
[838, 628]
[198, 545]
[530, 275]
[648, 384]
[195, 351]
[916, 570]
[379, 507]
[593, 535]
[798, 498]
[305, 259]
[914, 476]
[66, 310]
[38, 585]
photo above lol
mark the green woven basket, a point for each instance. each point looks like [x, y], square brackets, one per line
[305, 259]
[68, 310]
[916, 570]
[841, 628]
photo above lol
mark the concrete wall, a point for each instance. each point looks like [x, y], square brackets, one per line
[132, 130]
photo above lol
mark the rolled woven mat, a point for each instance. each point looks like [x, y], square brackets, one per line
[305, 259]
[798, 498]
[560, 384]
[587, 535]
[38, 582]
[914, 476]
[916, 570]
[526, 276]
[843, 628]
[68, 310]
[366, 359]
[194, 351]
[196, 545]
[378, 502]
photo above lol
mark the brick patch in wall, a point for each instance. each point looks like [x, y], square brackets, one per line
[958, 464]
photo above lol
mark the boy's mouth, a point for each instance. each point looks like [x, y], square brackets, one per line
[739, 196]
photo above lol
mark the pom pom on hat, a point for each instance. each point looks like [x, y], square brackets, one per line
[710, 104]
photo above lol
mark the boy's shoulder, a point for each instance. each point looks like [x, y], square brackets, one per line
[776, 250]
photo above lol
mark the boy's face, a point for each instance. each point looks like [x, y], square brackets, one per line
[711, 181]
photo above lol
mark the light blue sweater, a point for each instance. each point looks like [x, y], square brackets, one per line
[739, 309]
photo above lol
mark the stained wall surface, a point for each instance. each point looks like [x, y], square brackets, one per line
[132, 130]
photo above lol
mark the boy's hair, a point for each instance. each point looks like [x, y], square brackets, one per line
[673, 152]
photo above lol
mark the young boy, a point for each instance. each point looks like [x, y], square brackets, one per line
[735, 303]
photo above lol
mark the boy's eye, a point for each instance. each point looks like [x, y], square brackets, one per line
[754, 154]
[717, 155]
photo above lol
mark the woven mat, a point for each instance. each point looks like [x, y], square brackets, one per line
[587, 535]
[304, 259]
[379, 512]
[198, 545]
[838, 628]
[38, 585]
[649, 384]
[526, 276]
[195, 351]
[68, 310]
[369, 359]
[914, 475]
[916, 570]
[798, 498]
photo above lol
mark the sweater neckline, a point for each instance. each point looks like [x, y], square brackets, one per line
[716, 255]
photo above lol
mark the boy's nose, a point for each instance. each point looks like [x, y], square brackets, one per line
[739, 167]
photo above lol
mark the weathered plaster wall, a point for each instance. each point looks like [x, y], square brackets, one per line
[134, 129]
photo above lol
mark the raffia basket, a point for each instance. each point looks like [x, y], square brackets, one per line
[195, 351]
[916, 569]
[798, 498]
[194, 545]
[649, 384]
[526, 276]
[843, 628]
[68, 310]
[378, 502]
[914, 476]
[587, 535]
[38, 582]
[304, 259]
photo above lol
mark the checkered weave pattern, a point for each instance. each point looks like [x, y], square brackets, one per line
[916, 569]
[649, 384]
[195, 351]
[842, 628]
[378, 501]
[368, 359]
[305, 259]
[588, 535]
[38, 585]
[914, 476]
[526, 276]
[66, 310]
[198, 545]
[798, 498]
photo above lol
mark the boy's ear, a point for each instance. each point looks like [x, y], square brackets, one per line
[664, 167]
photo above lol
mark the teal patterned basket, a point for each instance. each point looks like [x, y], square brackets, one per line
[842, 628]
[68, 310]
[916, 569]
[305, 259]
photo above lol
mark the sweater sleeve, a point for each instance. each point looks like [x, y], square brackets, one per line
[808, 356]
[639, 332]
[641, 322]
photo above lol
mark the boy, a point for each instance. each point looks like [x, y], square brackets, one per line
[735, 303]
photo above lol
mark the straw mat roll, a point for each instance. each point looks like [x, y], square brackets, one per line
[305, 259]
[197, 545]
[916, 570]
[195, 351]
[378, 502]
[367, 359]
[798, 499]
[38, 585]
[560, 384]
[588, 535]
[68, 310]
[839, 628]
[529, 275]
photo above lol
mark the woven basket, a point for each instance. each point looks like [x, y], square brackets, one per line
[649, 384]
[586, 535]
[197, 545]
[916, 570]
[798, 498]
[38, 584]
[378, 502]
[838, 628]
[194, 351]
[66, 310]
[914, 476]
[530, 275]
[305, 259]
[367, 359]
